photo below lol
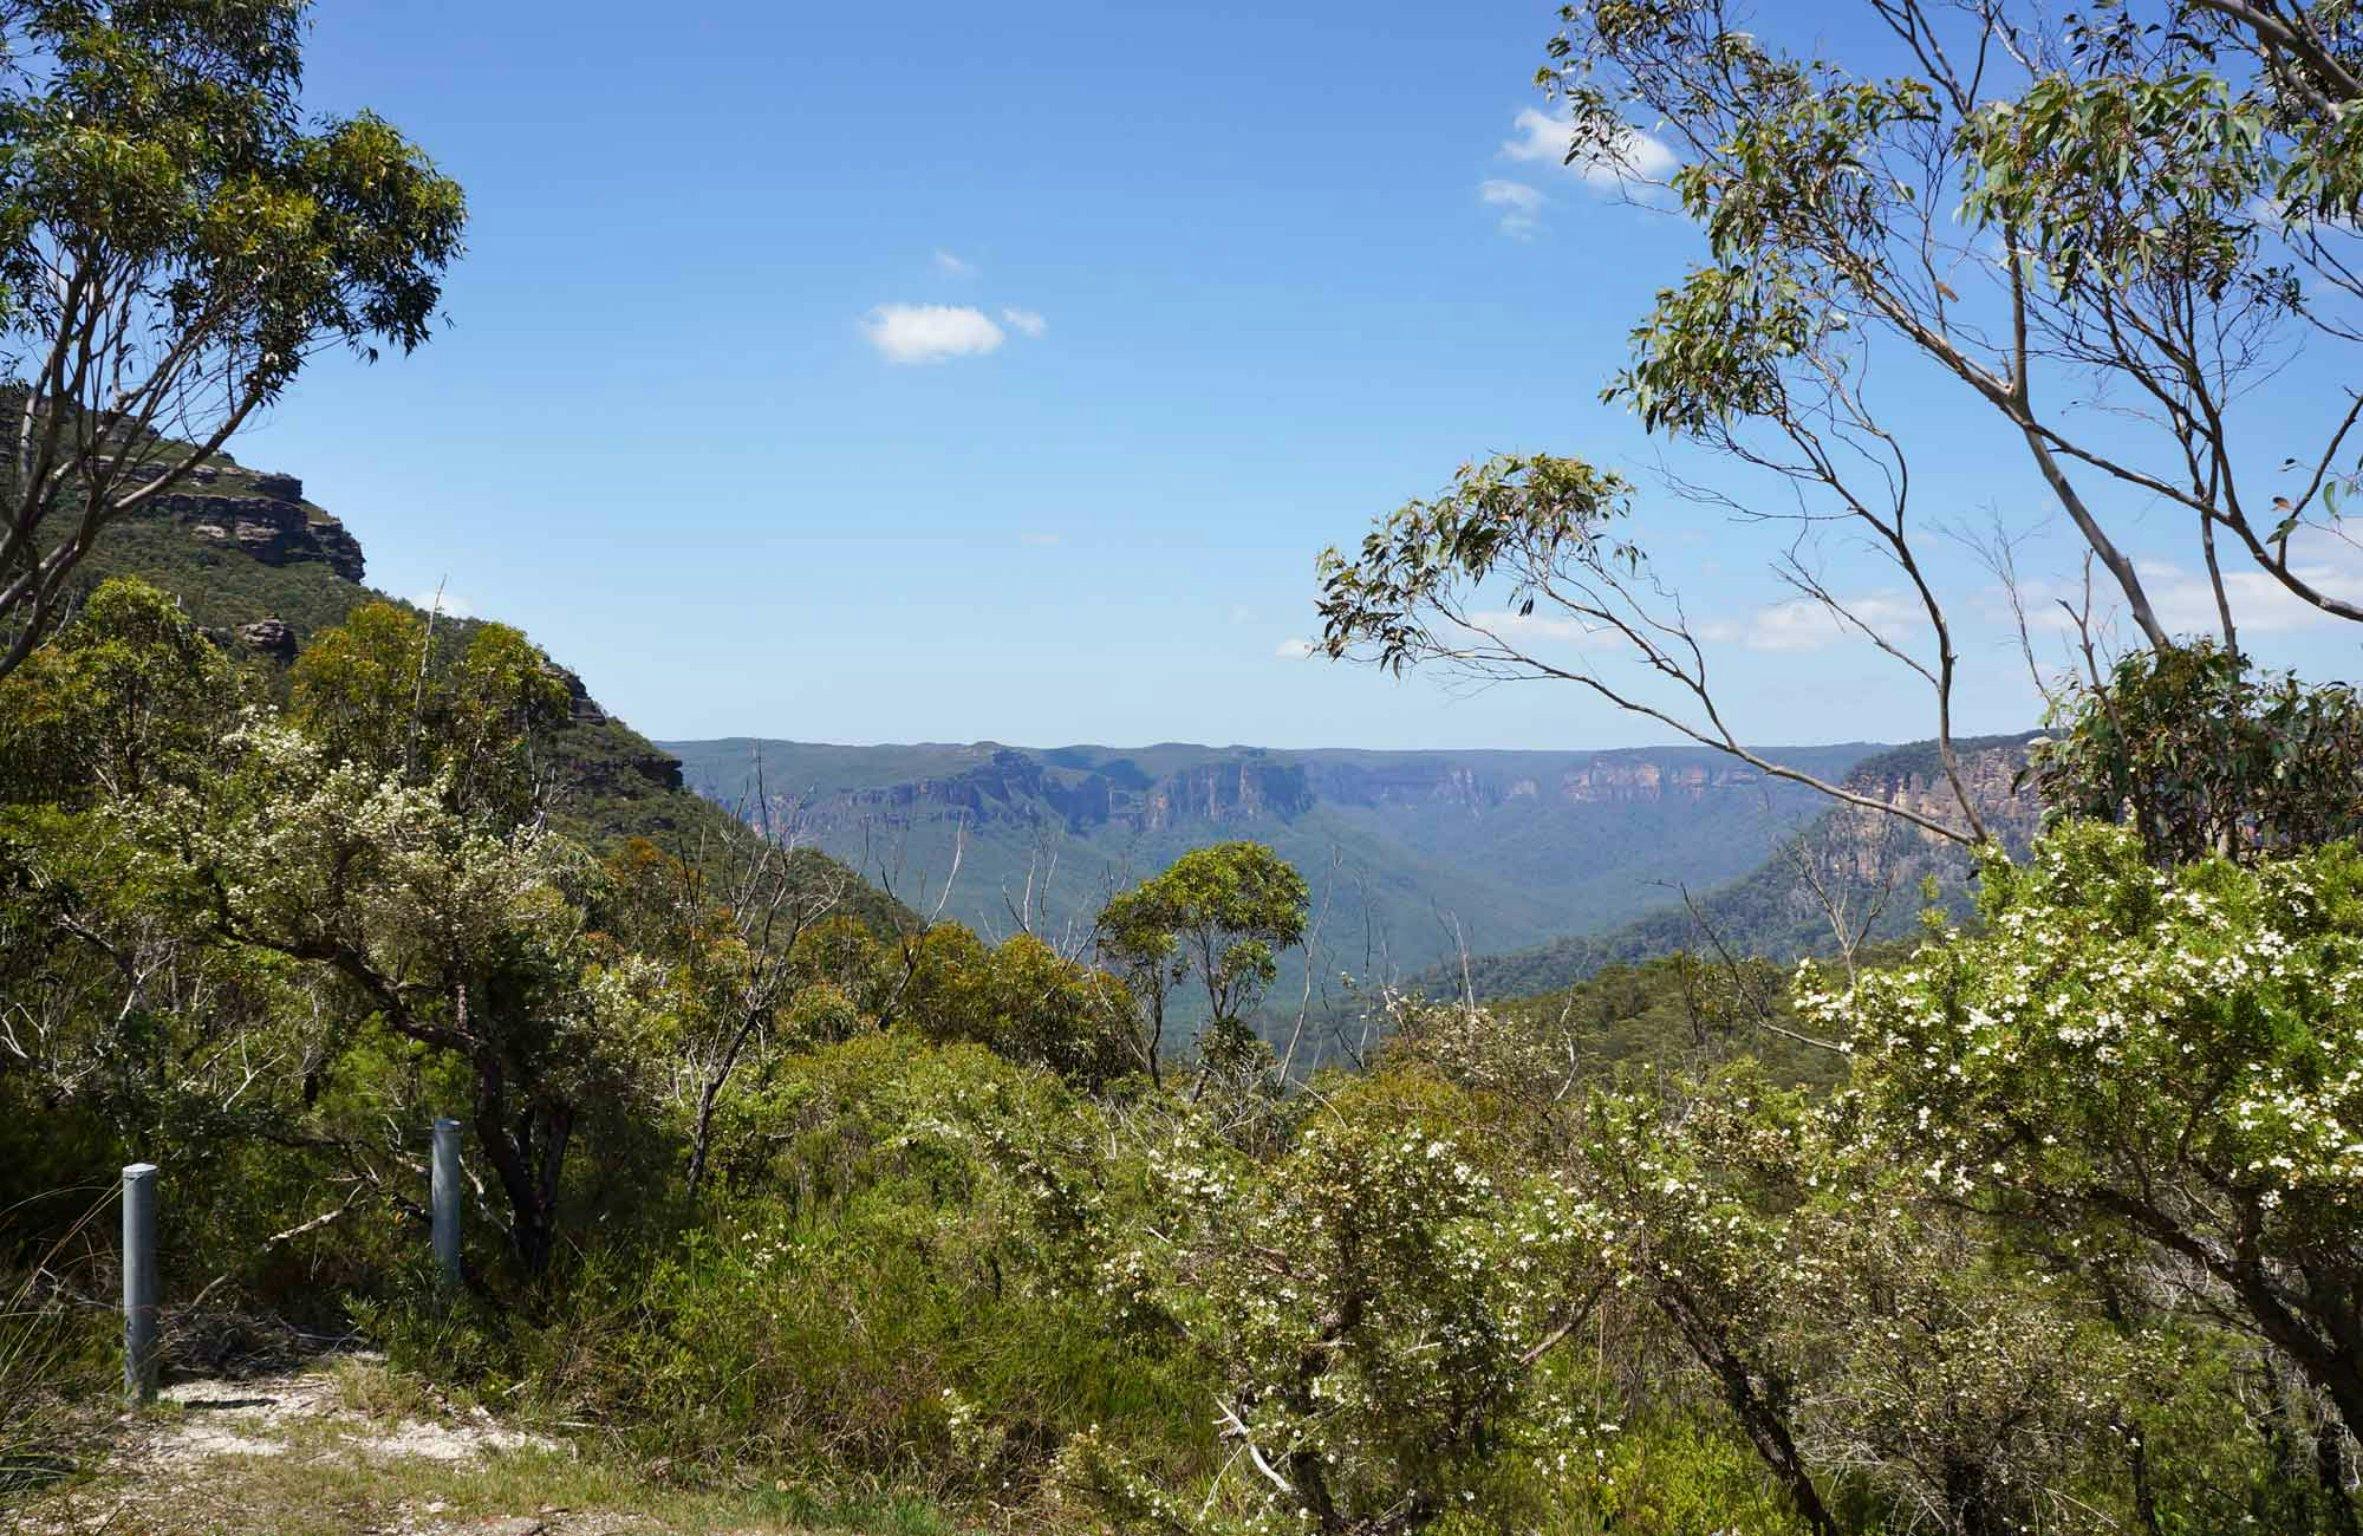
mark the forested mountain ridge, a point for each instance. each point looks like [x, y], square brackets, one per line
[1412, 854]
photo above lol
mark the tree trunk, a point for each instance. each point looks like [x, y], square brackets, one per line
[528, 1177]
[1767, 1428]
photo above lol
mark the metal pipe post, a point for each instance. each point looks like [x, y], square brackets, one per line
[139, 1282]
[443, 1199]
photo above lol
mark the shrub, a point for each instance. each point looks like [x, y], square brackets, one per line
[2167, 1060]
[2200, 753]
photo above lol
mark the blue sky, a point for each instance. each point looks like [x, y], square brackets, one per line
[1282, 277]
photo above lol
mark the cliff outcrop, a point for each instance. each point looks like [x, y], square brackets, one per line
[264, 516]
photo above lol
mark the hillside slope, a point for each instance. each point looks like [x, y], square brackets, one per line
[263, 569]
[1866, 867]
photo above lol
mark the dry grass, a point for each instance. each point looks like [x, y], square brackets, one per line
[45, 1379]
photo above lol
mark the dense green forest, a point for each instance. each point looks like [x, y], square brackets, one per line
[1989, 1161]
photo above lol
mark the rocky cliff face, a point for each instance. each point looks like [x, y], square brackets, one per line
[1616, 778]
[1913, 779]
[265, 516]
[1249, 790]
[1870, 849]
[1019, 786]
[1083, 790]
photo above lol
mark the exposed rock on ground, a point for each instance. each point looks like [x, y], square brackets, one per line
[273, 637]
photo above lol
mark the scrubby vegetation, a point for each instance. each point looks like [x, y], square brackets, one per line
[2044, 1222]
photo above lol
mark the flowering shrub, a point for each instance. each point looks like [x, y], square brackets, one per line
[2173, 1058]
[1374, 1304]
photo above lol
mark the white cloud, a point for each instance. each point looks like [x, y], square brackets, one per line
[2184, 599]
[1295, 649]
[1026, 322]
[930, 333]
[1546, 137]
[952, 266]
[450, 605]
[1807, 624]
[1541, 137]
[1520, 205]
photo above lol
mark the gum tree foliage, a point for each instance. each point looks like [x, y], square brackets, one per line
[385, 691]
[2200, 753]
[2104, 232]
[1025, 1002]
[136, 697]
[2166, 1058]
[176, 241]
[1222, 914]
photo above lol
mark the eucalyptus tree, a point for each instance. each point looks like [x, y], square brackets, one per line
[2202, 754]
[1222, 914]
[2105, 234]
[177, 239]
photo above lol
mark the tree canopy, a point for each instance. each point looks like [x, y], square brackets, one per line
[177, 239]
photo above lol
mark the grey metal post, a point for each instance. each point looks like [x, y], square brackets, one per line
[139, 1282]
[443, 1198]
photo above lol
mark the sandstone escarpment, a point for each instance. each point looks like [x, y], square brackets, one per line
[263, 516]
[1913, 779]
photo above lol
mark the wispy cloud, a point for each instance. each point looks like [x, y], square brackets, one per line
[1040, 540]
[2184, 599]
[1795, 625]
[449, 604]
[1294, 649]
[952, 266]
[1026, 322]
[1520, 205]
[1807, 624]
[1546, 138]
[931, 333]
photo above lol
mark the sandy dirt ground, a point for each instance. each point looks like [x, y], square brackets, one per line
[309, 1451]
